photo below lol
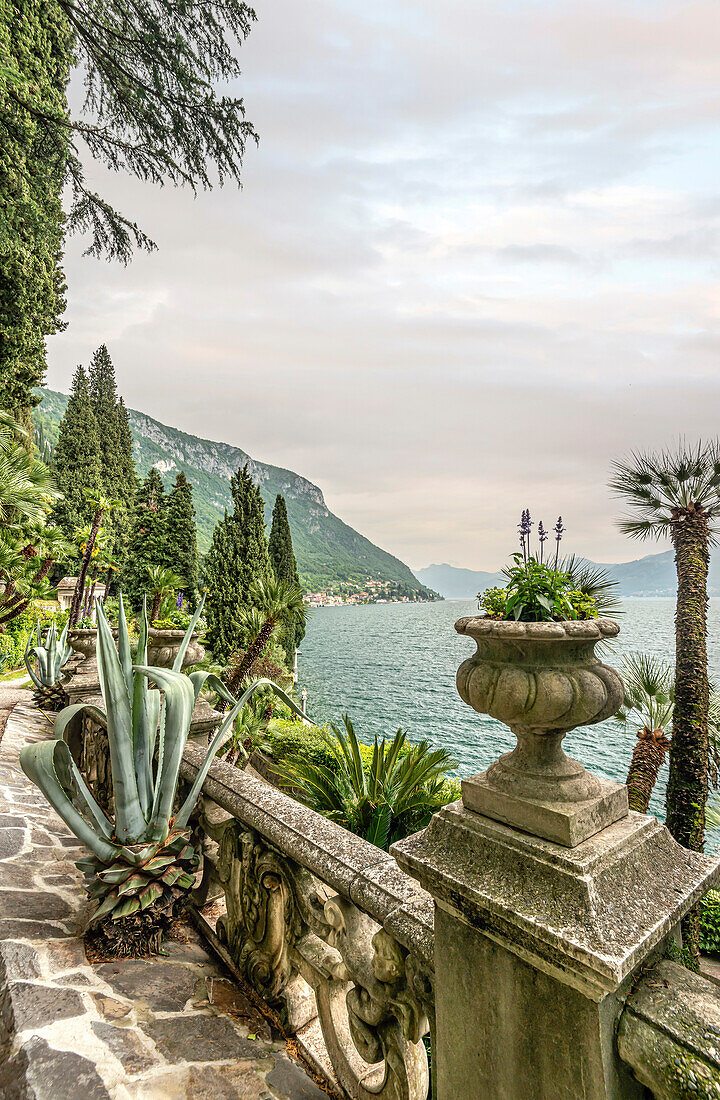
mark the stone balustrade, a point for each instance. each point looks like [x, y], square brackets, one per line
[333, 934]
[323, 925]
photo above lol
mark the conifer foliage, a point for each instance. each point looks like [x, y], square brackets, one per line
[147, 545]
[77, 461]
[35, 46]
[181, 535]
[238, 556]
[94, 455]
[282, 559]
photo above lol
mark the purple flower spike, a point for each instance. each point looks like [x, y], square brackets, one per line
[542, 538]
[179, 601]
[558, 529]
[524, 527]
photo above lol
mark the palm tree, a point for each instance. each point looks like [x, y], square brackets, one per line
[395, 794]
[163, 582]
[273, 603]
[649, 699]
[101, 506]
[676, 494]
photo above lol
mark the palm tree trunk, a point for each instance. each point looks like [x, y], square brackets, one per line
[687, 788]
[250, 656]
[80, 585]
[155, 607]
[647, 759]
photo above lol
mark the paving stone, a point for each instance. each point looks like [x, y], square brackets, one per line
[199, 1038]
[33, 905]
[74, 978]
[38, 1072]
[17, 874]
[226, 996]
[11, 842]
[35, 1005]
[69, 954]
[127, 1047]
[163, 986]
[243, 1081]
[20, 960]
[110, 1007]
[290, 1081]
[29, 930]
[11, 821]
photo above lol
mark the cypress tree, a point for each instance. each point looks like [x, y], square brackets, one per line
[77, 462]
[147, 544]
[238, 555]
[181, 535]
[282, 559]
[118, 467]
[35, 46]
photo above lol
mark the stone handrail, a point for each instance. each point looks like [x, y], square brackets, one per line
[322, 923]
[669, 1034]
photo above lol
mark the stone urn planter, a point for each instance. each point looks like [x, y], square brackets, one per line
[543, 680]
[84, 642]
[164, 646]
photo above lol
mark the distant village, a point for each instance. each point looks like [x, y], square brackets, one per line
[372, 591]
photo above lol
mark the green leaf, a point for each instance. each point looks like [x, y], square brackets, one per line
[49, 765]
[178, 707]
[133, 884]
[126, 908]
[150, 894]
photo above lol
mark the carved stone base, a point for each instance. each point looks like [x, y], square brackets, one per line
[566, 823]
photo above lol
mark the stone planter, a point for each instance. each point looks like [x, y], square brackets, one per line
[164, 646]
[84, 642]
[542, 680]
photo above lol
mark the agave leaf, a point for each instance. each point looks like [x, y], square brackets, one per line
[178, 707]
[62, 722]
[130, 821]
[106, 907]
[126, 908]
[186, 881]
[159, 862]
[135, 883]
[171, 876]
[115, 875]
[145, 715]
[49, 765]
[124, 646]
[219, 740]
[150, 894]
[28, 664]
[180, 655]
[98, 888]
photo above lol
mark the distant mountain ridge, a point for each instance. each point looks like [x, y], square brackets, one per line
[328, 551]
[652, 575]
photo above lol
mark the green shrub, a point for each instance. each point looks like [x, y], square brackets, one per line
[710, 922]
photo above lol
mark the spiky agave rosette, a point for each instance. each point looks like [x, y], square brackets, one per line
[142, 862]
[138, 902]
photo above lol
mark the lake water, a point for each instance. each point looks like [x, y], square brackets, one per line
[394, 665]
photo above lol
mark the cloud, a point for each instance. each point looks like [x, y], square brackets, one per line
[475, 257]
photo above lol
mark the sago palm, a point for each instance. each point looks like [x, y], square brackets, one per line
[394, 794]
[676, 494]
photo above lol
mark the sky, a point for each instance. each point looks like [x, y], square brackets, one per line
[474, 260]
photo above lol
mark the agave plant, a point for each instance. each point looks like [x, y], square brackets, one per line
[51, 659]
[142, 864]
[392, 795]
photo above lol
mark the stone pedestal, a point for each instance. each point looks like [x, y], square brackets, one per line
[537, 945]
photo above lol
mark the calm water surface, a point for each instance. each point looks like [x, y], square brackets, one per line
[391, 665]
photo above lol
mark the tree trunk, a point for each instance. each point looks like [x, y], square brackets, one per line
[687, 788]
[249, 657]
[155, 607]
[80, 585]
[647, 759]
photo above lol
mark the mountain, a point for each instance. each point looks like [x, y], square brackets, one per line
[653, 575]
[328, 551]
